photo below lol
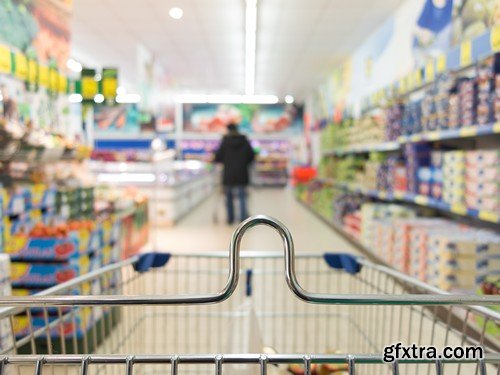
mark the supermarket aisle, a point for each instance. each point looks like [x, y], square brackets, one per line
[197, 232]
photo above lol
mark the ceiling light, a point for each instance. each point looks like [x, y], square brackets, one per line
[99, 98]
[75, 98]
[250, 45]
[289, 99]
[176, 13]
[121, 90]
[128, 98]
[74, 65]
[228, 99]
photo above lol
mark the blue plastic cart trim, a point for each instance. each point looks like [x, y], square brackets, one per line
[347, 262]
[151, 260]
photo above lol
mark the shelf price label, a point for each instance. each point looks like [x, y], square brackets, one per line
[109, 83]
[44, 76]
[421, 200]
[5, 60]
[468, 132]
[418, 78]
[53, 80]
[62, 84]
[495, 39]
[90, 88]
[488, 216]
[441, 64]
[458, 209]
[466, 53]
[21, 64]
[410, 84]
[429, 71]
[32, 72]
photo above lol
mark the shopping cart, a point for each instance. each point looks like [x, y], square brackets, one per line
[159, 313]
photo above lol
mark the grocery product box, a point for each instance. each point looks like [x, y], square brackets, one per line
[43, 275]
[491, 188]
[6, 339]
[111, 254]
[483, 158]
[43, 249]
[69, 327]
[482, 174]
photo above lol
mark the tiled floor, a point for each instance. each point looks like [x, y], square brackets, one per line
[198, 232]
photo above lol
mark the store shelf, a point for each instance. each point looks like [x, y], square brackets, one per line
[352, 240]
[434, 136]
[386, 146]
[439, 135]
[424, 201]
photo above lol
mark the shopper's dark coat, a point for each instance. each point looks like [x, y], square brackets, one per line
[236, 154]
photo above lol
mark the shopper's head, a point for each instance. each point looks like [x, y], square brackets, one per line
[232, 128]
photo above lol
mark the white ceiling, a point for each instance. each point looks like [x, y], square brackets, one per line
[298, 41]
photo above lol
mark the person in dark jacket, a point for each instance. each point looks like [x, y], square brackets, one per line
[236, 155]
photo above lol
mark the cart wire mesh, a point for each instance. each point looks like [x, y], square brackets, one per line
[158, 313]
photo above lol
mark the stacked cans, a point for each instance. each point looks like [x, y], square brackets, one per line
[454, 177]
[482, 180]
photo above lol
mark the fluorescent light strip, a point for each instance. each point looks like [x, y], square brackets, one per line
[250, 45]
[128, 98]
[228, 99]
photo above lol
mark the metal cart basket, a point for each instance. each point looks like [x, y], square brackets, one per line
[182, 314]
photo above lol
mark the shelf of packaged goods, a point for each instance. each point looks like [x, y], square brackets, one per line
[424, 201]
[434, 136]
[380, 147]
[459, 133]
[338, 228]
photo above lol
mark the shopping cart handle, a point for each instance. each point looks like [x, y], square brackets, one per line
[151, 260]
[348, 262]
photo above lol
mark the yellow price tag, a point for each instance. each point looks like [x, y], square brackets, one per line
[441, 64]
[21, 66]
[421, 200]
[63, 84]
[401, 86]
[54, 80]
[430, 74]
[398, 194]
[5, 60]
[32, 72]
[433, 136]
[495, 39]
[109, 86]
[458, 209]
[468, 132]
[43, 76]
[418, 78]
[466, 53]
[89, 88]
[488, 216]
[410, 84]
[496, 127]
